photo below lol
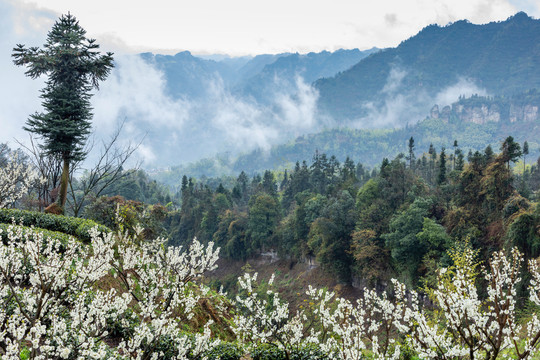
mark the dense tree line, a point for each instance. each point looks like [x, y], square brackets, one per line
[398, 219]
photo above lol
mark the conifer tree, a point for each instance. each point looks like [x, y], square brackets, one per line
[74, 68]
[269, 183]
[432, 158]
[455, 155]
[442, 168]
[348, 171]
[511, 150]
[285, 181]
[411, 156]
[489, 155]
[184, 183]
[460, 162]
[525, 152]
[524, 177]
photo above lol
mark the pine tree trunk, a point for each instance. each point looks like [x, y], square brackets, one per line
[64, 184]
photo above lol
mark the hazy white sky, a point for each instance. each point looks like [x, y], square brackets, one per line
[257, 26]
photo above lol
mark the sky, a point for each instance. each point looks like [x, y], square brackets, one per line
[242, 27]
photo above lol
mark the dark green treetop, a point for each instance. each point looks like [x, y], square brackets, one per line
[74, 68]
[511, 151]
[442, 167]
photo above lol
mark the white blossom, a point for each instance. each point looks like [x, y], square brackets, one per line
[16, 178]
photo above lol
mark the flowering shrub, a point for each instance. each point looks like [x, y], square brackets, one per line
[465, 325]
[32, 232]
[337, 328]
[16, 178]
[51, 306]
[459, 325]
[118, 298]
[264, 319]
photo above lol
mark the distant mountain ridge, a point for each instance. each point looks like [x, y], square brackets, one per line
[287, 69]
[224, 104]
[500, 57]
[241, 104]
[188, 75]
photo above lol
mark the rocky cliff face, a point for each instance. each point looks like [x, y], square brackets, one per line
[483, 110]
[527, 113]
[479, 114]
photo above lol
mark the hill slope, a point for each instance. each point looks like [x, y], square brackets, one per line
[501, 57]
[475, 122]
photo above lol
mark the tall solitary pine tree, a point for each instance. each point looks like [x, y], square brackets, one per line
[411, 157]
[74, 68]
[441, 179]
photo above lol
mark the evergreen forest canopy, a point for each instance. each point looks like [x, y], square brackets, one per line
[399, 219]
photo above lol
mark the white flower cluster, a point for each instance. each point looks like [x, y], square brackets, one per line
[16, 178]
[51, 304]
[457, 325]
[158, 280]
[464, 325]
[338, 327]
[354, 328]
[264, 319]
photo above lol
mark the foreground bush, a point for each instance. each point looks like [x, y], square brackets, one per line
[225, 351]
[25, 231]
[272, 352]
[80, 228]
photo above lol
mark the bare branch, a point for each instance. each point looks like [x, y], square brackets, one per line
[108, 169]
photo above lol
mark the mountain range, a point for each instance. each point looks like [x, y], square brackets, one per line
[189, 75]
[259, 105]
[500, 57]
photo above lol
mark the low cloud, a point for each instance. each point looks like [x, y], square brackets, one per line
[394, 81]
[135, 92]
[399, 106]
[246, 124]
[184, 130]
[463, 87]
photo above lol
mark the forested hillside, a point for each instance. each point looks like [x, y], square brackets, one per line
[500, 57]
[398, 220]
